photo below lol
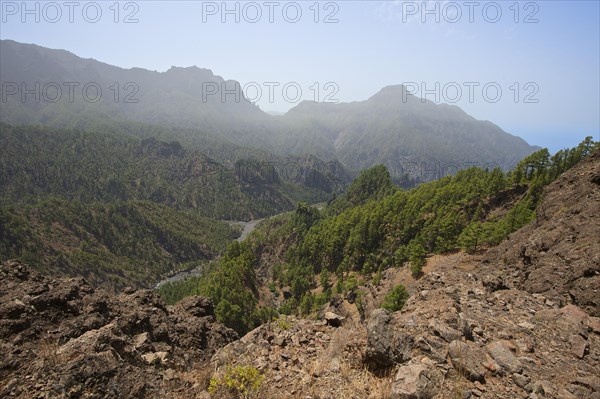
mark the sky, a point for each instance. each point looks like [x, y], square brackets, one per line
[531, 67]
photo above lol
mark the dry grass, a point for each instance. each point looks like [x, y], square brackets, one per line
[456, 386]
[48, 355]
[350, 382]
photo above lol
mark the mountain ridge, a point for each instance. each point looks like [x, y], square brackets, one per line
[390, 127]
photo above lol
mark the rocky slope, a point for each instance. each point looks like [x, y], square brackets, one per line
[518, 322]
[558, 255]
[458, 336]
[62, 338]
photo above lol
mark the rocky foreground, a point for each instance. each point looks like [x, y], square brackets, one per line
[459, 336]
[519, 322]
[61, 338]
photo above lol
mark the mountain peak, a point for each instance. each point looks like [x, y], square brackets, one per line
[190, 69]
[392, 127]
[193, 72]
[393, 91]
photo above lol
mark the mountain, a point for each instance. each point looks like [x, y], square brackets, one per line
[173, 98]
[416, 140]
[409, 135]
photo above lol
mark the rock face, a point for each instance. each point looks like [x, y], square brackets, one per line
[385, 346]
[62, 338]
[468, 359]
[558, 255]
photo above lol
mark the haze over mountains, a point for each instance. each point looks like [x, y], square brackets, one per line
[416, 140]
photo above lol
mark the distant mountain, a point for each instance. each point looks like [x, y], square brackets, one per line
[407, 134]
[179, 97]
[416, 140]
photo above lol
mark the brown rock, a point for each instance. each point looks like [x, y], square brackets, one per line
[386, 345]
[156, 357]
[441, 329]
[417, 381]
[503, 356]
[594, 324]
[89, 343]
[333, 319]
[468, 359]
[579, 345]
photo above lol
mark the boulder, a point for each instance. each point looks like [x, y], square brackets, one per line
[333, 319]
[416, 381]
[494, 283]
[99, 340]
[468, 359]
[196, 306]
[579, 345]
[156, 357]
[441, 329]
[504, 357]
[386, 345]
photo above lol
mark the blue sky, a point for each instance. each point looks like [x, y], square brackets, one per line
[543, 56]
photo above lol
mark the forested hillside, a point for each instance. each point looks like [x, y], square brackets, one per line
[309, 255]
[115, 245]
[125, 210]
[95, 166]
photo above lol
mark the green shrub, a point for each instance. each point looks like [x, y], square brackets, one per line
[283, 323]
[416, 267]
[240, 381]
[395, 299]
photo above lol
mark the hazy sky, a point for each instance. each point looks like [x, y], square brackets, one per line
[543, 56]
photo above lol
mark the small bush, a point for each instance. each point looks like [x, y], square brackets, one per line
[240, 381]
[283, 323]
[395, 299]
[416, 267]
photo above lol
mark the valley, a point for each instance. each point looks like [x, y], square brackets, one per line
[165, 240]
[246, 229]
[466, 327]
